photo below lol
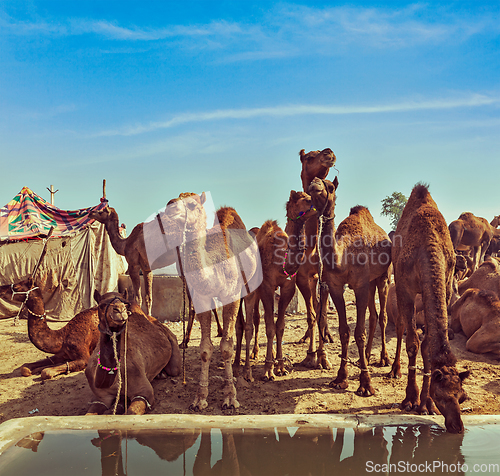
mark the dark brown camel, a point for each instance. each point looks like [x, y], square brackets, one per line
[133, 349]
[477, 314]
[356, 254]
[221, 263]
[424, 262]
[71, 345]
[315, 164]
[280, 255]
[475, 233]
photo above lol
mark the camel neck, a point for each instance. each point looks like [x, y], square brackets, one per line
[117, 241]
[41, 335]
[329, 248]
[294, 253]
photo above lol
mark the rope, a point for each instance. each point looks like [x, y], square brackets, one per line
[115, 350]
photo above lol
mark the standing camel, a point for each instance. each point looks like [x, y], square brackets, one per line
[424, 263]
[315, 164]
[357, 254]
[221, 263]
[71, 345]
[471, 232]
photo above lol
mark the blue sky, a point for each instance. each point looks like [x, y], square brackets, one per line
[160, 98]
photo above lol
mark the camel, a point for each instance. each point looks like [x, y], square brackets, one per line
[356, 254]
[71, 344]
[486, 278]
[477, 314]
[133, 347]
[471, 232]
[220, 263]
[424, 262]
[314, 164]
[392, 307]
[281, 255]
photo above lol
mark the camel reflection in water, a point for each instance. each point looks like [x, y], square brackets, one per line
[308, 451]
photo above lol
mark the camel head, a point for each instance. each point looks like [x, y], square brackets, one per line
[104, 215]
[447, 392]
[495, 222]
[17, 292]
[113, 310]
[316, 163]
[185, 213]
[323, 192]
[299, 207]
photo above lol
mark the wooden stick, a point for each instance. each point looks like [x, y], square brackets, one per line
[104, 188]
[43, 253]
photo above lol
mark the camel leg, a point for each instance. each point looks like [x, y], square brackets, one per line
[372, 320]
[134, 273]
[337, 294]
[65, 368]
[256, 323]
[148, 285]
[396, 365]
[249, 301]
[365, 387]
[406, 309]
[427, 406]
[239, 330]
[267, 297]
[217, 321]
[206, 351]
[306, 287]
[229, 316]
[36, 367]
[322, 358]
[383, 290]
[287, 292]
[185, 341]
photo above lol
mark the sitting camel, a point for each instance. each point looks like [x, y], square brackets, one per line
[471, 232]
[424, 262]
[477, 314]
[486, 278]
[71, 345]
[221, 263]
[358, 253]
[133, 347]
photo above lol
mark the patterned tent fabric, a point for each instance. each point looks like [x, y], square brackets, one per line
[28, 215]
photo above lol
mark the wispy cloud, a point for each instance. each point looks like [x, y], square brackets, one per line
[473, 100]
[288, 30]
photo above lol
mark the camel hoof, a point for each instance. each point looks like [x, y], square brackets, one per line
[338, 385]
[310, 362]
[268, 378]
[183, 345]
[365, 392]
[194, 408]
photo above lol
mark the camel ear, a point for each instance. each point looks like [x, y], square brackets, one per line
[97, 296]
[464, 375]
[335, 182]
[301, 154]
[203, 198]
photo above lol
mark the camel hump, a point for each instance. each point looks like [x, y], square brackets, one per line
[270, 230]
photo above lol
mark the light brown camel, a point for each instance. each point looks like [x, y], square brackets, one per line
[315, 164]
[134, 249]
[357, 254]
[477, 314]
[133, 349]
[475, 233]
[392, 307]
[219, 263]
[71, 345]
[424, 262]
[281, 255]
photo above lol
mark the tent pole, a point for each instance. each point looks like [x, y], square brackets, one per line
[104, 188]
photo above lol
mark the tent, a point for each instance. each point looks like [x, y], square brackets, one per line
[79, 256]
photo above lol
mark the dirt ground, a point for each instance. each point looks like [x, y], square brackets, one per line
[301, 391]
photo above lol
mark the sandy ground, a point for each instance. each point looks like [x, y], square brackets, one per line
[301, 391]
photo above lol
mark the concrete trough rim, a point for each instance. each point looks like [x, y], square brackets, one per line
[14, 430]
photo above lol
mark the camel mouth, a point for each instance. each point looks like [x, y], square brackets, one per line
[328, 163]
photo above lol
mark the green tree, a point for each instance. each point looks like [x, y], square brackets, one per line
[392, 206]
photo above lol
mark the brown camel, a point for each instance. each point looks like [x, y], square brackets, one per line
[358, 253]
[281, 255]
[219, 263]
[392, 307]
[471, 232]
[477, 314]
[314, 164]
[133, 347]
[486, 278]
[424, 262]
[71, 345]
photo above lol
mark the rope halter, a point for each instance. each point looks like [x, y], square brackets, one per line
[27, 293]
